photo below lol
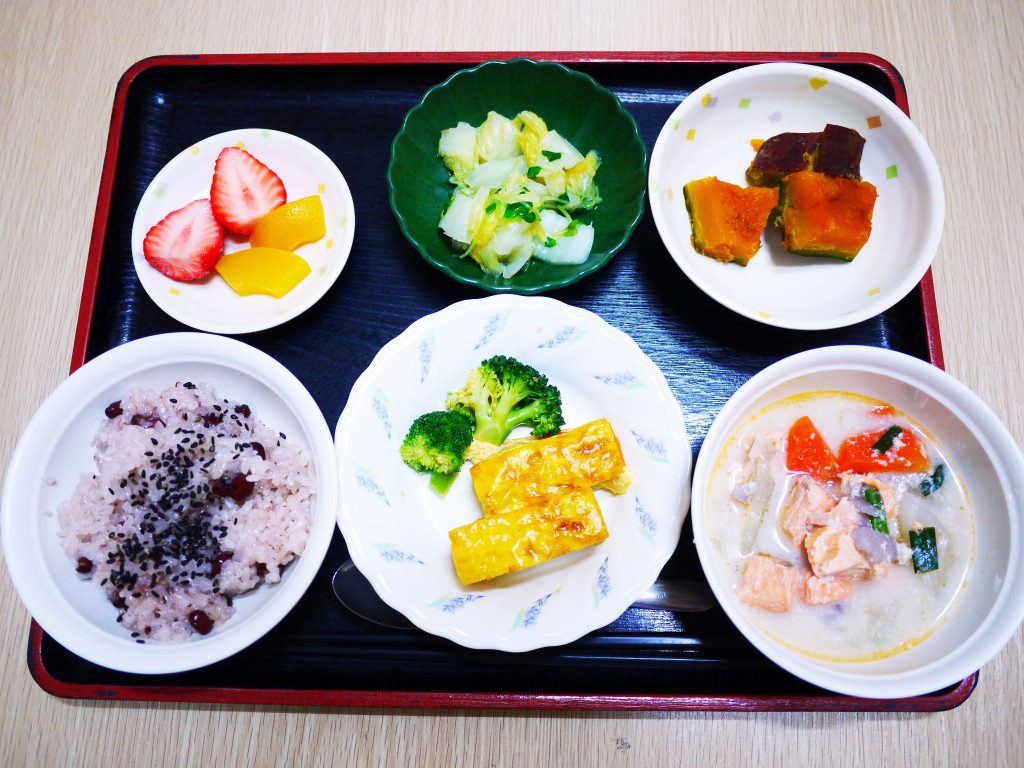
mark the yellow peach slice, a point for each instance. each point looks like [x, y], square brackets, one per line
[290, 225]
[263, 270]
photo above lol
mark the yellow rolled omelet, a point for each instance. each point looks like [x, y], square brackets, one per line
[547, 526]
[584, 457]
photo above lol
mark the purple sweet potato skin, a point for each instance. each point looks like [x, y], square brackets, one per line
[782, 155]
[839, 152]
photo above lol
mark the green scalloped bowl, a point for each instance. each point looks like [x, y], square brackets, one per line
[572, 103]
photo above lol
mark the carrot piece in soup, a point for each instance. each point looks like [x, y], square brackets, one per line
[904, 453]
[807, 451]
[883, 409]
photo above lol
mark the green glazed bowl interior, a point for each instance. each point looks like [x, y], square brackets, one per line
[572, 103]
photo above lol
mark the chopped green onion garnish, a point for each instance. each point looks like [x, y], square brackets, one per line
[550, 243]
[522, 210]
[552, 156]
[873, 497]
[532, 171]
[926, 554]
[885, 441]
[880, 524]
[490, 208]
[933, 483]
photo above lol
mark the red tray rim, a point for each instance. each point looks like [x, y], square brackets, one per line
[447, 699]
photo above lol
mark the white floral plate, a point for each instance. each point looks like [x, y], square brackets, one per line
[396, 527]
[210, 304]
[709, 134]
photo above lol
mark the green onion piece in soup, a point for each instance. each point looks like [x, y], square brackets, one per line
[885, 441]
[931, 484]
[926, 554]
[874, 498]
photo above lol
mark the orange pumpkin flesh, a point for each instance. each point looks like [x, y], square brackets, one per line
[727, 220]
[826, 215]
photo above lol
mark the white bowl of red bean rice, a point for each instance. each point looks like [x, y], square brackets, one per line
[169, 503]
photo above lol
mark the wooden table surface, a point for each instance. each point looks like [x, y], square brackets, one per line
[60, 62]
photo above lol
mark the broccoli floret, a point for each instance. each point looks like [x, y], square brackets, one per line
[437, 443]
[502, 394]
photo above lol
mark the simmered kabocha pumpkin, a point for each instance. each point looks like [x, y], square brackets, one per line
[826, 215]
[727, 220]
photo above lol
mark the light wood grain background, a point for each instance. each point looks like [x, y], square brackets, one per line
[59, 64]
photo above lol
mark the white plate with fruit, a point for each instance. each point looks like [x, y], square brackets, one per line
[243, 231]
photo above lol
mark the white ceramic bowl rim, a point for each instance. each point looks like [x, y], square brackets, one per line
[59, 618]
[1007, 611]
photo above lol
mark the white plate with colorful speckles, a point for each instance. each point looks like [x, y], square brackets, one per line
[710, 133]
[396, 527]
[210, 304]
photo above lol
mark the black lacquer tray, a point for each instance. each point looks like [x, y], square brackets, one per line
[351, 106]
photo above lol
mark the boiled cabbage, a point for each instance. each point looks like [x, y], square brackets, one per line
[518, 185]
[458, 150]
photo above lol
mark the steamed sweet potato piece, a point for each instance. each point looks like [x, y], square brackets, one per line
[839, 152]
[782, 155]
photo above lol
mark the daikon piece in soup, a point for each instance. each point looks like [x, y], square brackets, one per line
[841, 526]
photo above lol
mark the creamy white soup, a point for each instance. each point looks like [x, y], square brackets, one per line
[840, 525]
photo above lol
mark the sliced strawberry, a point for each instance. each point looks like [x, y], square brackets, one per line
[244, 190]
[186, 244]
